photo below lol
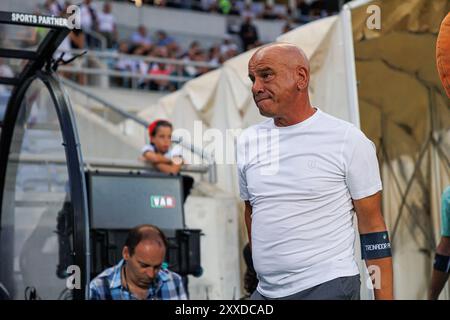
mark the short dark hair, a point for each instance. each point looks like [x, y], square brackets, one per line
[160, 123]
[145, 232]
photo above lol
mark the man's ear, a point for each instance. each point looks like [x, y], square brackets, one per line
[125, 253]
[303, 78]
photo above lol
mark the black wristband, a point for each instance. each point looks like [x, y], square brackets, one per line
[442, 263]
[375, 245]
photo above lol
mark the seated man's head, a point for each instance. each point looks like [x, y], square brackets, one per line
[144, 253]
[160, 132]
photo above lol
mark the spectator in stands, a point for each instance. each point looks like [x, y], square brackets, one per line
[5, 69]
[125, 64]
[190, 55]
[248, 34]
[107, 24]
[234, 10]
[162, 155]
[228, 46]
[287, 27]
[142, 273]
[209, 5]
[52, 7]
[214, 56]
[201, 56]
[160, 3]
[182, 4]
[88, 17]
[248, 12]
[141, 42]
[5, 72]
[290, 13]
[224, 6]
[268, 13]
[163, 40]
[303, 12]
[75, 40]
[193, 48]
[318, 9]
[160, 69]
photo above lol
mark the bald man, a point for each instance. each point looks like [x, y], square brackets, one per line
[141, 274]
[302, 175]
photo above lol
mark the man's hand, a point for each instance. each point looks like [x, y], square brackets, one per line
[370, 219]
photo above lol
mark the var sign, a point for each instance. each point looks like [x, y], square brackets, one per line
[162, 202]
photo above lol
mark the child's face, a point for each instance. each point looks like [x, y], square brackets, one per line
[163, 139]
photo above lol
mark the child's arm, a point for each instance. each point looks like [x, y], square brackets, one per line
[174, 167]
[155, 158]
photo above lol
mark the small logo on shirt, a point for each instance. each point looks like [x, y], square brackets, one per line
[162, 202]
[312, 164]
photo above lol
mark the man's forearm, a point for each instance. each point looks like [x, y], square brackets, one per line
[381, 273]
[439, 278]
[379, 262]
[248, 222]
[438, 281]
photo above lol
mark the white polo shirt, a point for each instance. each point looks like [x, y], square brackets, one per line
[300, 181]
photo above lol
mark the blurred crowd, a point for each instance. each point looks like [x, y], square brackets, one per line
[298, 11]
[98, 19]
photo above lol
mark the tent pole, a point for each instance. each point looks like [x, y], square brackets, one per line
[409, 185]
[391, 171]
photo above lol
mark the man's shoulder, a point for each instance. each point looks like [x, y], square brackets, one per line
[169, 275]
[332, 122]
[339, 127]
[254, 129]
[104, 277]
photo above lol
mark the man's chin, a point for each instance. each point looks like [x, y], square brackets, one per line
[265, 113]
[145, 285]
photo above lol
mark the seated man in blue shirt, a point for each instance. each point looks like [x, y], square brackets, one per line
[141, 274]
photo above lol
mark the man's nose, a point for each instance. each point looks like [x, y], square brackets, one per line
[257, 87]
[151, 273]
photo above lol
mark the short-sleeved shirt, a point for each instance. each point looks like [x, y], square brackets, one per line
[139, 39]
[445, 212]
[300, 181]
[106, 22]
[173, 152]
[108, 286]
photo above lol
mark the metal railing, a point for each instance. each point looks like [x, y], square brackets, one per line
[179, 78]
[212, 168]
[98, 37]
[95, 162]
